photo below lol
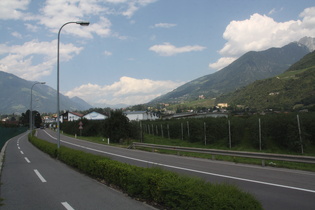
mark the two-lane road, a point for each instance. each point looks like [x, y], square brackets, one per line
[32, 180]
[275, 188]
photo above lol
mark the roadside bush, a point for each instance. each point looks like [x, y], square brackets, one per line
[168, 189]
[45, 146]
[90, 127]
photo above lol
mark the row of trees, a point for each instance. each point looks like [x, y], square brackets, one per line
[287, 131]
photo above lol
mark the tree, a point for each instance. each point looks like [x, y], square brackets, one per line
[117, 126]
[25, 118]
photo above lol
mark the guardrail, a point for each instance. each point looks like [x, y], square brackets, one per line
[257, 155]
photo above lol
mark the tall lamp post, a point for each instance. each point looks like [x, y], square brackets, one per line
[31, 110]
[82, 23]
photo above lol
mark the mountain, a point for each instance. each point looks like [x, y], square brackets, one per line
[248, 68]
[294, 89]
[82, 105]
[308, 42]
[15, 97]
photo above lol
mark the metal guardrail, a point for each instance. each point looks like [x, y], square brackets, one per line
[257, 155]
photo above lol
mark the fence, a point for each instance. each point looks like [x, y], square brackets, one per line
[288, 131]
[8, 132]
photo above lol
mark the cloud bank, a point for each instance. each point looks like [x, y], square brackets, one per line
[21, 59]
[127, 90]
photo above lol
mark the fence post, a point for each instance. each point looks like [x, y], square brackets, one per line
[300, 135]
[182, 129]
[188, 130]
[162, 131]
[157, 131]
[141, 132]
[259, 134]
[168, 131]
[230, 141]
[204, 126]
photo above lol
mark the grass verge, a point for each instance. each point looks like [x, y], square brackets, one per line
[167, 189]
[273, 163]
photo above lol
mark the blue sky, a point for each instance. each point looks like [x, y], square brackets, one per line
[136, 50]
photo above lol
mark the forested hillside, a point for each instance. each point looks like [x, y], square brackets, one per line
[294, 89]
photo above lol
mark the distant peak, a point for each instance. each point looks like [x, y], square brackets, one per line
[309, 42]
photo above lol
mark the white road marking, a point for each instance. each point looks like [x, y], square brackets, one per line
[19, 148]
[22, 152]
[39, 175]
[27, 160]
[188, 169]
[67, 206]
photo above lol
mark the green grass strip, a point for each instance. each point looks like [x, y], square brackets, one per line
[154, 185]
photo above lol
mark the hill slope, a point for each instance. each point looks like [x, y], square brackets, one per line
[15, 97]
[293, 89]
[248, 68]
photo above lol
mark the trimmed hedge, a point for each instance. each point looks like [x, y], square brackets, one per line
[165, 188]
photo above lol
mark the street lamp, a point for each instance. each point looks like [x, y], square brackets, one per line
[82, 23]
[31, 110]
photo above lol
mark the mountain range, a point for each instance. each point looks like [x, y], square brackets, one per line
[293, 89]
[248, 68]
[15, 97]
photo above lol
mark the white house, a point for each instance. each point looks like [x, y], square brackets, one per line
[70, 116]
[141, 115]
[95, 116]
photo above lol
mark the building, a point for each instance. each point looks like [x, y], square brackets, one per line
[141, 115]
[70, 116]
[95, 116]
[222, 105]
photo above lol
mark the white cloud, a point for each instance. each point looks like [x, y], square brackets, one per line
[261, 32]
[20, 59]
[222, 62]
[107, 53]
[127, 90]
[31, 27]
[55, 13]
[168, 49]
[16, 34]
[13, 9]
[274, 10]
[164, 25]
[135, 5]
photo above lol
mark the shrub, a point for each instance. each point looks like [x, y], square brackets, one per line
[166, 188]
[45, 146]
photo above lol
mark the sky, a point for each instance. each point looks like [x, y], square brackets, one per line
[136, 50]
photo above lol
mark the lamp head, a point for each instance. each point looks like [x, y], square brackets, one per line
[83, 23]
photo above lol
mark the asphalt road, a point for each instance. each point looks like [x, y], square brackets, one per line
[32, 180]
[275, 188]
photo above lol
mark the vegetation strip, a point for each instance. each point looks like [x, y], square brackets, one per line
[154, 185]
[269, 156]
